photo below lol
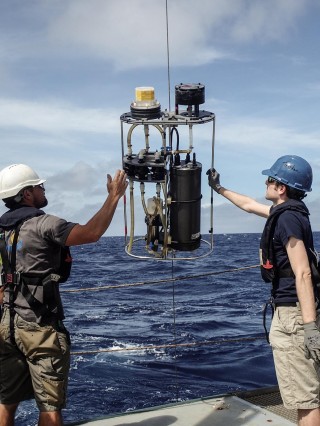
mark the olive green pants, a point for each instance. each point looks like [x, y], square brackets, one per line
[37, 366]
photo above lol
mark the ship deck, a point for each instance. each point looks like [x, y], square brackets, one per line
[253, 408]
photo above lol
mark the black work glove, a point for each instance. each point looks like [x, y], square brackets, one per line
[214, 180]
[312, 341]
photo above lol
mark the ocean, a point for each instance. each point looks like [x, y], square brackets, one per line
[157, 339]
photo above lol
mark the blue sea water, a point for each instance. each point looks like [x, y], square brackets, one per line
[217, 310]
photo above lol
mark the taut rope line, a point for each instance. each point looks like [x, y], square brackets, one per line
[170, 345]
[151, 282]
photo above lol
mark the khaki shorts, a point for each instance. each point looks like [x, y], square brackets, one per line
[298, 377]
[37, 367]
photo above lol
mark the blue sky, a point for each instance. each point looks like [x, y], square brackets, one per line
[69, 69]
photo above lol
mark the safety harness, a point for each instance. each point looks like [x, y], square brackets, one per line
[9, 277]
[15, 282]
[268, 268]
[269, 271]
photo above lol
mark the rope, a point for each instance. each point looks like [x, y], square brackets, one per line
[171, 345]
[165, 346]
[165, 280]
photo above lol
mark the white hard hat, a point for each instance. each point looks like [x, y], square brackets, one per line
[16, 177]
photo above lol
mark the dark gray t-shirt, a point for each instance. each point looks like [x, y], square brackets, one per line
[38, 253]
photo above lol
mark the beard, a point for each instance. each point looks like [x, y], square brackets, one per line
[41, 203]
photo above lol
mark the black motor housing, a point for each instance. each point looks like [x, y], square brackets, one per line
[192, 95]
[185, 207]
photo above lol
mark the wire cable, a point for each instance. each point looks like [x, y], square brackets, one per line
[168, 55]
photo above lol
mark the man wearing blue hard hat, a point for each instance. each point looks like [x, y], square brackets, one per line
[288, 260]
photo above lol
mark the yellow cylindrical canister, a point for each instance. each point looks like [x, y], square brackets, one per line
[144, 94]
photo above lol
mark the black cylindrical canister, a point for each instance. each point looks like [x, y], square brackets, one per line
[189, 94]
[185, 208]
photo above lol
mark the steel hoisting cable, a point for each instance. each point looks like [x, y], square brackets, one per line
[168, 55]
[174, 333]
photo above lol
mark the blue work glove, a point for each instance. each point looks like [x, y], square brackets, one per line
[214, 180]
[312, 341]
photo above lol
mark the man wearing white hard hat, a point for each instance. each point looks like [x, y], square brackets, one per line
[34, 249]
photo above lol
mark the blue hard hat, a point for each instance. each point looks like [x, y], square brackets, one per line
[293, 171]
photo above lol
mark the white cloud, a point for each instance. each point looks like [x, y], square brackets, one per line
[132, 33]
[61, 118]
[313, 89]
[77, 192]
[257, 133]
[55, 117]
[82, 177]
[228, 219]
[266, 20]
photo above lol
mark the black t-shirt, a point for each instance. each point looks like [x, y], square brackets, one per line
[290, 224]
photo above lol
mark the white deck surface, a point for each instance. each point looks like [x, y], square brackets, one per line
[220, 411]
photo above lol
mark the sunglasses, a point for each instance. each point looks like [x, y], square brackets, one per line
[271, 179]
[41, 186]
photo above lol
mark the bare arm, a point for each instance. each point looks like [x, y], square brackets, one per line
[245, 203]
[93, 230]
[300, 265]
[1, 295]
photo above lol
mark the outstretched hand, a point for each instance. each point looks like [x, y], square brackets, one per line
[118, 185]
[214, 180]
